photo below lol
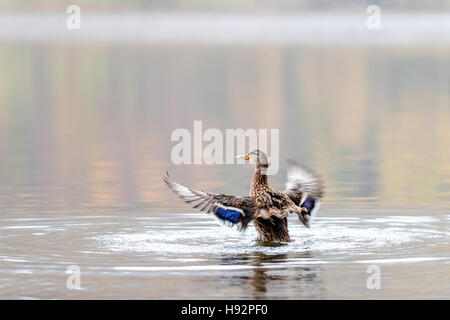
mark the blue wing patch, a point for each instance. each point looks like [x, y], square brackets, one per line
[228, 214]
[309, 204]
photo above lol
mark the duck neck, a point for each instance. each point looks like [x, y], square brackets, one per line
[259, 178]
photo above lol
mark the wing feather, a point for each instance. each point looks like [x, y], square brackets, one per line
[304, 187]
[302, 180]
[231, 210]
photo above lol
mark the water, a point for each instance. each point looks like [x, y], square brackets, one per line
[85, 139]
[184, 256]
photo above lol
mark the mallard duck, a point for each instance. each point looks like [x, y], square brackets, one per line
[266, 207]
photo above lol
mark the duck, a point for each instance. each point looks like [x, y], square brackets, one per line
[265, 206]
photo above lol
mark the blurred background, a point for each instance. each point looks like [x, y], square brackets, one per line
[228, 5]
[86, 115]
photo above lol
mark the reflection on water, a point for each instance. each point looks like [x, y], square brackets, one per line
[304, 280]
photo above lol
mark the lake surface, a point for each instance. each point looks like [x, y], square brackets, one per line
[134, 254]
[85, 133]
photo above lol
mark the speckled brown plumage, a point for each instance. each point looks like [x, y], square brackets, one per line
[271, 211]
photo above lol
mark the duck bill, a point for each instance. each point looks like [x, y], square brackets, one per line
[243, 156]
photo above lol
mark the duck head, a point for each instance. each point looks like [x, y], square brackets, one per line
[258, 158]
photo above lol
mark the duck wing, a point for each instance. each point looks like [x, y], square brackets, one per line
[304, 187]
[230, 210]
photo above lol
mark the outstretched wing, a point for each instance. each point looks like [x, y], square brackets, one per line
[304, 187]
[231, 210]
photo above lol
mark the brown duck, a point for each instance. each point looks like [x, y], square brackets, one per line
[267, 207]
